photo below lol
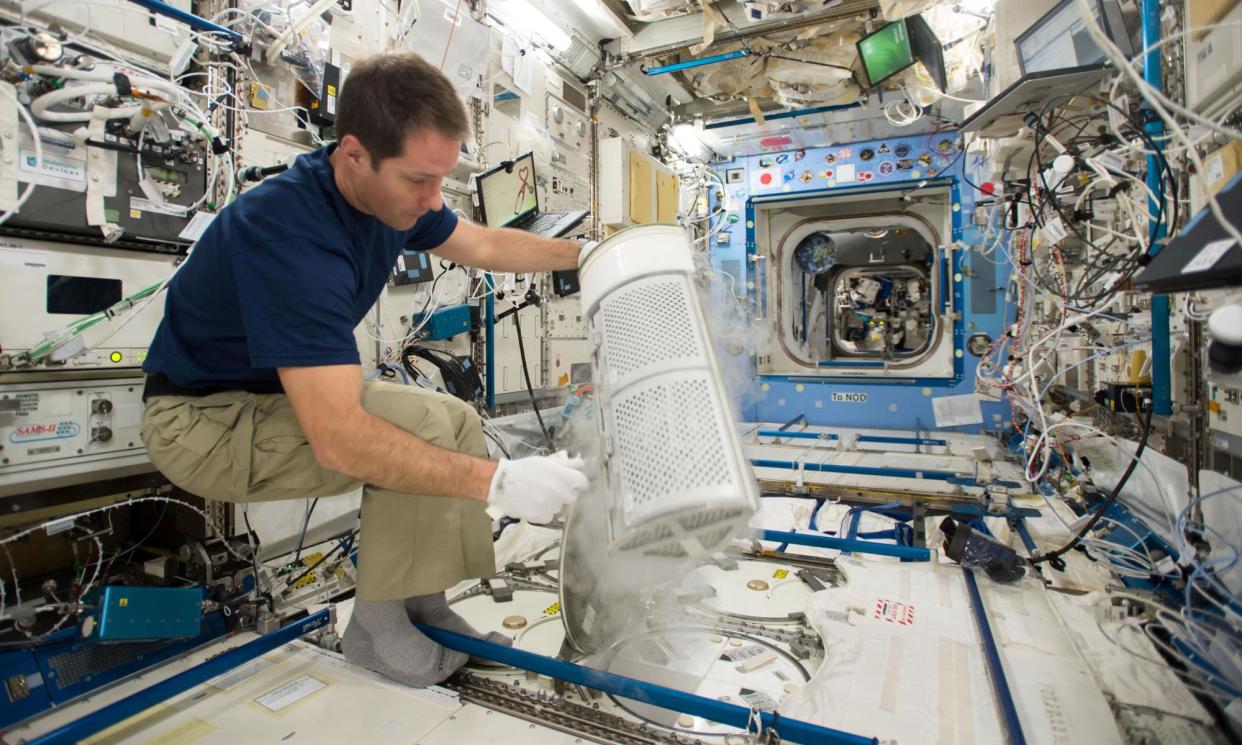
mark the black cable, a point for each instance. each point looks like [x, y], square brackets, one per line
[530, 390]
[297, 555]
[431, 294]
[499, 444]
[258, 173]
[344, 542]
[1108, 502]
[254, 560]
[1124, 266]
[34, 643]
[139, 543]
[806, 61]
[458, 380]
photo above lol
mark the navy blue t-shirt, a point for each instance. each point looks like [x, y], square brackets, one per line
[280, 278]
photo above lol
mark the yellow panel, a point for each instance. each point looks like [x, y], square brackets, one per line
[641, 184]
[666, 196]
[184, 733]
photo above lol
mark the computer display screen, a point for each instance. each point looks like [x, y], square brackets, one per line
[507, 194]
[1059, 40]
[927, 48]
[886, 52]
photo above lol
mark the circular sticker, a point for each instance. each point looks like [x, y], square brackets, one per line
[765, 178]
[886, 168]
[865, 175]
[830, 158]
[902, 150]
[807, 177]
[866, 153]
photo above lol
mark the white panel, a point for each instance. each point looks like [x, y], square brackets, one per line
[63, 429]
[1214, 67]
[479, 726]
[24, 268]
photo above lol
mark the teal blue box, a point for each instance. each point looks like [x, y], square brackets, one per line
[444, 323]
[131, 613]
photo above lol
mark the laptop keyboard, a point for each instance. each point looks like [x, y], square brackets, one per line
[544, 222]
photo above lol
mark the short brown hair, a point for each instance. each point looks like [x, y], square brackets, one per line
[389, 96]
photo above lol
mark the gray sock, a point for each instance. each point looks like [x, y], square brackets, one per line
[380, 637]
[434, 610]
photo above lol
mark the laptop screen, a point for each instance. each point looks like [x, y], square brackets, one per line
[506, 196]
[1059, 40]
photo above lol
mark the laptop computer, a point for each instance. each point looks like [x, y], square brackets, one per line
[508, 199]
[1201, 257]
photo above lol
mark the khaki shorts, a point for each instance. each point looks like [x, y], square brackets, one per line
[237, 446]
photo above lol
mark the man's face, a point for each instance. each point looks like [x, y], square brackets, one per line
[407, 186]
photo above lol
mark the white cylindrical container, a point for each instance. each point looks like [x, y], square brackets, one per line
[678, 482]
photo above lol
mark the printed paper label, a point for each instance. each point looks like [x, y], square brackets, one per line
[1208, 256]
[290, 693]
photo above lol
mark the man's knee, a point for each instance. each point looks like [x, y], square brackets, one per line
[412, 411]
[467, 426]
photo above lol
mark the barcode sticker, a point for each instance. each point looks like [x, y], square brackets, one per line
[737, 654]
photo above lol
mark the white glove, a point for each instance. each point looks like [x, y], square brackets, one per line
[587, 247]
[535, 489]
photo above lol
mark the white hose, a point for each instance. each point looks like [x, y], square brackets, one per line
[105, 76]
[94, 82]
[41, 104]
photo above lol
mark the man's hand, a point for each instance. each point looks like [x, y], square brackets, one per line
[535, 489]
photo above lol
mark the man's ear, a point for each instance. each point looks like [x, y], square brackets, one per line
[352, 149]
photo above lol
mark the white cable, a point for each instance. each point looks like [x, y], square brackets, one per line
[1153, 98]
[406, 19]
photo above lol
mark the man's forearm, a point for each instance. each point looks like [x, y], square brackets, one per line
[377, 452]
[519, 251]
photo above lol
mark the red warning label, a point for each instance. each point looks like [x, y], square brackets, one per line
[894, 612]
